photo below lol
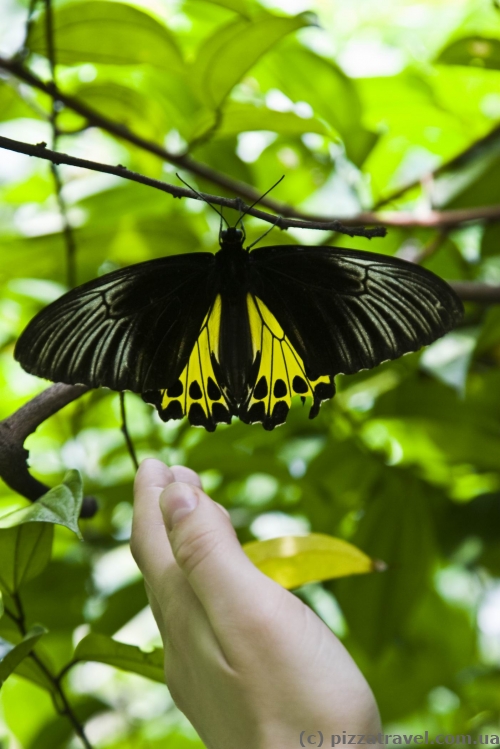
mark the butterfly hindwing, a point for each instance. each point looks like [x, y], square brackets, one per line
[197, 393]
[279, 373]
[132, 329]
[346, 310]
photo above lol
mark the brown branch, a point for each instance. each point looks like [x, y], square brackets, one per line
[14, 431]
[475, 291]
[401, 219]
[324, 223]
[121, 131]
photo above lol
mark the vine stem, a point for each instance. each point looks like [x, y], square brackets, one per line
[69, 238]
[58, 689]
[126, 433]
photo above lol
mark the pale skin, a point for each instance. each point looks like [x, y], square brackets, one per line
[249, 664]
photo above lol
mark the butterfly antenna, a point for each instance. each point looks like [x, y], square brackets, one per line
[265, 234]
[258, 201]
[219, 213]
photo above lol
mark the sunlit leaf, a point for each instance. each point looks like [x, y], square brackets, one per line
[102, 649]
[227, 55]
[237, 118]
[61, 506]
[103, 32]
[12, 655]
[293, 561]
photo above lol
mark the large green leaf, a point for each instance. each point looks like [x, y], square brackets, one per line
[12, 655]
[24, 552]
[103, 649]
[472, 50]
[396, 528]
[235, 48]
[238, 118]
[333, 96]
[58, 731]
[60, 506]
[293, 561]
[107, 32]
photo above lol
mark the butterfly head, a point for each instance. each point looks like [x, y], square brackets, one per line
[232, 238]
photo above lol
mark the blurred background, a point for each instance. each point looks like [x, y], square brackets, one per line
[352, 102]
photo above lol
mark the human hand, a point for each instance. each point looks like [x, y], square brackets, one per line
[249, 664]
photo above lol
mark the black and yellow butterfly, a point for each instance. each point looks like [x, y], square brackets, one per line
[238, 333]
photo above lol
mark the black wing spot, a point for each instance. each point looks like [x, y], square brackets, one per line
[278, 416]
[280, 389]
[261, 389]
[213, 391]
[324, 390]
[173, 411]
[221, 414]
[195, 391]
[198, 418]
[299, 385]
[175, 390]
[255, 414]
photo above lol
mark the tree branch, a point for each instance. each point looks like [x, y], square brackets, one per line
[474, 291]
[121, 131]
[14, 431]
[42, 152]
[400, 219]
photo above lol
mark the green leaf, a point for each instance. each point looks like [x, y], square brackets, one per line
[58, 731]
[237, 118]
[60, 506]
[239, 6]
[472, 50]
[12, 655]
[24, 552]
[396, 527]
[103, 649]
[293, 561]
[104, 32]
[230, 53]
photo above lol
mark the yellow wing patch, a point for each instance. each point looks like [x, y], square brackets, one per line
[281, 373]
[197, 393]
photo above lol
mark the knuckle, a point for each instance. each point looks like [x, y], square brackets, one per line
[192, 551]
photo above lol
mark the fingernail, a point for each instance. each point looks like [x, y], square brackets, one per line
[177, 501]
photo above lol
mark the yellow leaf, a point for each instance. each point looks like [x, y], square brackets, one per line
[293, 561]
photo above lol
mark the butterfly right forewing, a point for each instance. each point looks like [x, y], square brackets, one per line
[347, 310]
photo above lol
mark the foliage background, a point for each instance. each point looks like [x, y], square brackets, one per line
[404, 462]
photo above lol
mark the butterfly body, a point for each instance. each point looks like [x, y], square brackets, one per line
[238, 333]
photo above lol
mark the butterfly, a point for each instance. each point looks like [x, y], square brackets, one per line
[238, 333]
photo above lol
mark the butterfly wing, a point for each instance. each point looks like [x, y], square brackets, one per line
[341, 311]
[278, 372]
[132, 329]
[197, 392]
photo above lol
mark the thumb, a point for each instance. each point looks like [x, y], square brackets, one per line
[207, 550]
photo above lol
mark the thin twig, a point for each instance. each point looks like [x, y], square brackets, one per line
[126, 433]
[55, 682]
[69, 238]
[401, 219]
[14, 431]
[324, 223]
